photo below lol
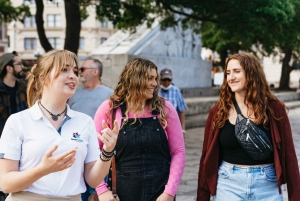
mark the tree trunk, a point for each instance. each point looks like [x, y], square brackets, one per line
[284, 83]
[223, 57]
[73, 28]
[40, 25]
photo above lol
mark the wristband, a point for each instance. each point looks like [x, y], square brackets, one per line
[183, 131]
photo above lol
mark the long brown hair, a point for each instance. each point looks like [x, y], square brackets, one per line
[51, 59]
[257, 91]
[131, 89]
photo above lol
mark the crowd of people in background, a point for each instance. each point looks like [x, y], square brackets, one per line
[58, 139]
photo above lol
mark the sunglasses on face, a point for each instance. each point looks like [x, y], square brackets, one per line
[83, 69]
[166, 80]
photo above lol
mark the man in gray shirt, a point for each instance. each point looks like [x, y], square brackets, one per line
[89, 98]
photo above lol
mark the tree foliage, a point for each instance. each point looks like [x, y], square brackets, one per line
[9, 13]
[227, 26]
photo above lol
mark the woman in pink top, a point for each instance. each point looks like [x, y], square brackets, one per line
[150, 154]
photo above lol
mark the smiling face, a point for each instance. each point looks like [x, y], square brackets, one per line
[66, 81]
[152, 83]
[236, 78]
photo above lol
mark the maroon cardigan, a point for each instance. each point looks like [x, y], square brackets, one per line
[285, 160]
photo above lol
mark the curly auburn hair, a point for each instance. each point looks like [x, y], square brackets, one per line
[257, 91]
[131, 89]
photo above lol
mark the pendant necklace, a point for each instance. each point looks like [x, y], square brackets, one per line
[54, 117]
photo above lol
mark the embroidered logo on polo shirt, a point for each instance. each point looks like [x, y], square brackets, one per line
[76, 137]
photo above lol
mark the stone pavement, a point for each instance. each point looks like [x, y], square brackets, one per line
[193, 144]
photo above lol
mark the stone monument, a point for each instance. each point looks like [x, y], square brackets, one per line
[175, 48]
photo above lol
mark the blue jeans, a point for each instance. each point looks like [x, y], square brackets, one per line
[251, 183]
[89, 191]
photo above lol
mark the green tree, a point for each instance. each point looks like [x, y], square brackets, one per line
[287, 43]
[227, 26]
[9, 13]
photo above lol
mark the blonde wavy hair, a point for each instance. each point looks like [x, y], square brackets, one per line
[131, 89]
[257, 92]
[41, 70]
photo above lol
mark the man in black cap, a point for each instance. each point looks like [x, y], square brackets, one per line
[172, 94]
[12, 92]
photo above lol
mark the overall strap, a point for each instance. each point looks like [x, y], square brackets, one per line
[113, 162]
[123, 109]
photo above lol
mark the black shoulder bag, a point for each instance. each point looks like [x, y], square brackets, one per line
[253, 140]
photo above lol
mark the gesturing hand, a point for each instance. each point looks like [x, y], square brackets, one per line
[109, 137]
[57, 163]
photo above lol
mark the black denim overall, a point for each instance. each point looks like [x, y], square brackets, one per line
[142, 159]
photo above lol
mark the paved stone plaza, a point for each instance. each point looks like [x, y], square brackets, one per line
[193, 143]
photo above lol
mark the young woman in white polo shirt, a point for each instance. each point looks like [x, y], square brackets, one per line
[48, 150]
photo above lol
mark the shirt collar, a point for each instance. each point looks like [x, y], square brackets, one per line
[36, 112]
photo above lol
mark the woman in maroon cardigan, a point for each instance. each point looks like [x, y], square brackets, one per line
[227, 172]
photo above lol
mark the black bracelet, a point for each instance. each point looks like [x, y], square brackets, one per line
[104, 158]
[108, 153]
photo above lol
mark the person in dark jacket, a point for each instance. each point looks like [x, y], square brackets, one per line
[227, 172]
[12, 91]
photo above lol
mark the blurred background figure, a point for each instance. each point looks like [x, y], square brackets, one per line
[12, 90]
[172, 94]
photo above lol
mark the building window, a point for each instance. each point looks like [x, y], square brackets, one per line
[103, 40]
[30, 43]
[55, 42]
[53, 1]
[26, 2]
[81, 43]
[29, 21]
[103, 24]
[53, 21]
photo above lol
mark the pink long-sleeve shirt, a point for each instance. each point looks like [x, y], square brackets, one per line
[174, 136]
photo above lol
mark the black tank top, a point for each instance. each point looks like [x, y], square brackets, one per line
[232, 152]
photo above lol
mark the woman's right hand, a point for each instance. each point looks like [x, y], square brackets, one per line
[108, 196]
[109, 136]
[57, 163]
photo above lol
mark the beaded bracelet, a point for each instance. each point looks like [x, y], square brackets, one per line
[108, 153]
[104, 158]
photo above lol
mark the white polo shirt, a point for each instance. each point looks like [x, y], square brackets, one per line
[27, 135]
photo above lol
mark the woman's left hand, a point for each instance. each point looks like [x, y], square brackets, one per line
[165, 197]
[109, 137]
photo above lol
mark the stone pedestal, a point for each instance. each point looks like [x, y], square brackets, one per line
[174, 48]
